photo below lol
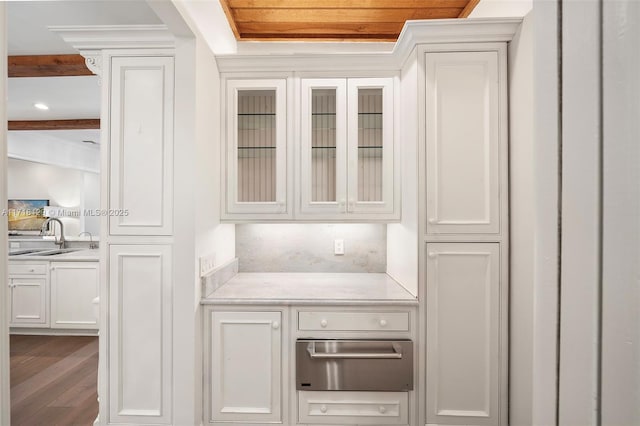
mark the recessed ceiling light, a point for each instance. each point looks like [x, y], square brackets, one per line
[40, 105]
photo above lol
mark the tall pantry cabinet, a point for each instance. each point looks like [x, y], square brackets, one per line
[463, 166]
[137, 70]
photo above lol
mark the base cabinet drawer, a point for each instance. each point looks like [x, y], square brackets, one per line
[353, 321]
[19, 268]
[353, 408]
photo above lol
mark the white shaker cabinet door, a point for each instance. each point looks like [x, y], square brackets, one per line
[370, 152]
[257, 165]
[74, 285]
[29, 301]
[140, 334]
[466, 335]
[246, 367]
[141, 146]
[463, 140]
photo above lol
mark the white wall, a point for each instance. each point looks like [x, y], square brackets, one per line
[4, 326]
[403, 238]
[522, 216]
[62, 187]
[545, 224]
[501, 8]
[309, 247]
[211, 236]
[621, 210]
[57, 147]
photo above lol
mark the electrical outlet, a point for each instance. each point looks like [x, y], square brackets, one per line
[207, 264]
[338, 247]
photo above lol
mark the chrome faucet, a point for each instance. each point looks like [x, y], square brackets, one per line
[61, 242]
[92, 245]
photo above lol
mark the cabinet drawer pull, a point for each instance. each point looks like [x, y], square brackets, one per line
[383, 323]
[382, 409]
[395, 354]
[275, 325]
[323, 323]
[432, 220]
[323, 408]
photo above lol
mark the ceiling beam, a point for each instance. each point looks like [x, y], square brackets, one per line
[79, 124]
[47, 66]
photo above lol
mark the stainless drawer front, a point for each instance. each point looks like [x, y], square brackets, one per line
[354, 365]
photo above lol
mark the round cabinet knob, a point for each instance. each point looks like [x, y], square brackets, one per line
[32, 270]
[432, 220]
[383, 323]
[275, 325]
[432, 255]
[382, 409]
[323, 408]
[323, 323]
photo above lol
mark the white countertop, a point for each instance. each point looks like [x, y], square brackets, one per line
[310, 288]
[74, 256]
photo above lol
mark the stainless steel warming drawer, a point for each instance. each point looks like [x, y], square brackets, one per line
[354, 365]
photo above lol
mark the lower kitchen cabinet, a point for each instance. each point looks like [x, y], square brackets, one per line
[466, 335]
[348, 408]
[250, 365]
[245, 367]
[29, 294]
[74, 285]
[29, 301]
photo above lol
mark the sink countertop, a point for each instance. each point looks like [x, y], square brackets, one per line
[311, 289]
[87, 255]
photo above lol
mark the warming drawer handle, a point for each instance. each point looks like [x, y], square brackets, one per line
[363, 355]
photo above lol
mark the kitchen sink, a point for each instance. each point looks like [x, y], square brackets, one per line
[48, 252]
[53, 252]
[24, 251]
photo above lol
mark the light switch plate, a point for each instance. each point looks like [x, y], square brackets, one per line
[338, 247]
[207, 264]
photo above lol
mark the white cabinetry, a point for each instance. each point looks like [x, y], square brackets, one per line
[29, 295]
[464, 142]
[257, 157]
[348, 408]
[250, 368]
[140, 320]
[74, 285]
[141, 146]
[466, 233]
[245, 367]
[465, 312]
[347, 149]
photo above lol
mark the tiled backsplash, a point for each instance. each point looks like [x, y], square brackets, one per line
[310, 247]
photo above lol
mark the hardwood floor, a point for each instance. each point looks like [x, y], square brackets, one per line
[54, 380]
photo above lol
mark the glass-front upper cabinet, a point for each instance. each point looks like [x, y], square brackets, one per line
[347, 148]
[256, 150]
[324, 146]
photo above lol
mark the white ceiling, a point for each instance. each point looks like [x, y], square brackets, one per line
[67, 97]
[28, 21]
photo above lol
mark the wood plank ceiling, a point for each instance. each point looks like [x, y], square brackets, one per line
[348, 20]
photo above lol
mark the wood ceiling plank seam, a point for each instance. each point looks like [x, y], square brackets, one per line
[351, 15]
[343, 4]
[468, 8]
[387, 28]
[230, 18]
